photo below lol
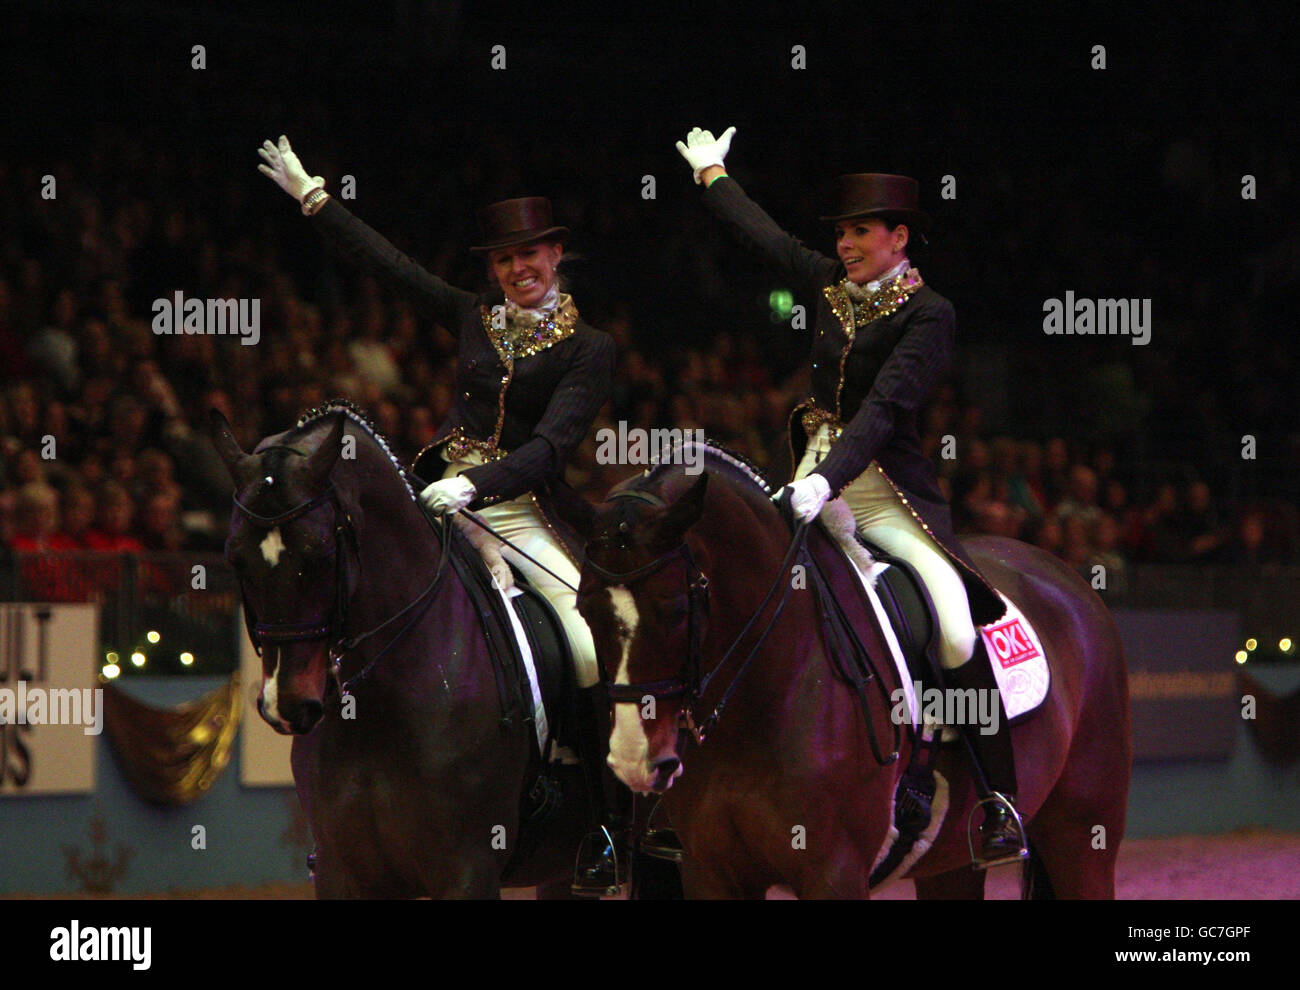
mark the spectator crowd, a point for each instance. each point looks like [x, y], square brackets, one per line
[103, 439]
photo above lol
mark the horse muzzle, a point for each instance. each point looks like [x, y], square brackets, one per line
[292, 701]
[645, 776]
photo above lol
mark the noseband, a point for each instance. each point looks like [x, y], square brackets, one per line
[332, 628]
[693, 682]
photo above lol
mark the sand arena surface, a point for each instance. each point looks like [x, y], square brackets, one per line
[1246, 864]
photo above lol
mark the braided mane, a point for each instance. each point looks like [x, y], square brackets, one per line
[748, 478]
[358, 417]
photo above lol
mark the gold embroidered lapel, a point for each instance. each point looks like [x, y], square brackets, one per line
[885, 301]
[888, 299]
[516, 340]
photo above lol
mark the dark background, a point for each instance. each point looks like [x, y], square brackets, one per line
[1117, 183]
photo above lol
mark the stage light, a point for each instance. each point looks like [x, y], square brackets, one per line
[781, 302]
[111, 670]
[1251, 644]
[1286, 645]
[112, 657]
[187, 659]
[138, 658]
[152, 636]
[1241, 656]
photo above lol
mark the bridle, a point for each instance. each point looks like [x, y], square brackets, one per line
[693, 681]
[332, 627]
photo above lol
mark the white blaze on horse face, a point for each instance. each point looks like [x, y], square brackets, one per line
[270, 697]
[273, 546]
[627, 744]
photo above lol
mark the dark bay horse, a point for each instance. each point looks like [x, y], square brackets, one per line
[784, 790]
[413, 786]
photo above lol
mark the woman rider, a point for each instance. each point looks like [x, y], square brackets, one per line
[882, 339]
[530, 379]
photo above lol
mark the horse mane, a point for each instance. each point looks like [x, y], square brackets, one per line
[362, 421]
[749, 481]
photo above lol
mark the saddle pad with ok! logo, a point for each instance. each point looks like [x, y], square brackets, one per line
[1018, 660]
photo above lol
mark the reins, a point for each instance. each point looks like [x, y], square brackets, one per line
[333, 628]
[694, 683]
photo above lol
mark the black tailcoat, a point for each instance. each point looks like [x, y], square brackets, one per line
[526, 413]
[874, 379]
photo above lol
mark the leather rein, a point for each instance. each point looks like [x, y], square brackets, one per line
[331, 628]
[693, 681]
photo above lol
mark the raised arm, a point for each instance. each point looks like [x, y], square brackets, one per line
[809, 270]
[363, 246]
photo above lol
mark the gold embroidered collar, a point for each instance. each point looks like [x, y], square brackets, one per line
[888, 298]
[521, 338]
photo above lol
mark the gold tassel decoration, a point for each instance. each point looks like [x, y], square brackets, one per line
[171, 756]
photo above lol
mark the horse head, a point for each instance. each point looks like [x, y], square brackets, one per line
[289, 545]
[645, 598]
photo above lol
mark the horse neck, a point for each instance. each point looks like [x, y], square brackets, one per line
[739, 581]
[394, 542]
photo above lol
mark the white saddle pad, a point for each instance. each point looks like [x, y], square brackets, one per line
[1018, 660]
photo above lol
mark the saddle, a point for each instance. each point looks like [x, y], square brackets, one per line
[526, 640]
[899, 621]
[907, 616]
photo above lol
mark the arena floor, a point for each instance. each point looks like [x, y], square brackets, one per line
[1242, 865]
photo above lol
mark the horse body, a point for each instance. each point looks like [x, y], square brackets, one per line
[784, 789]
[416, 790]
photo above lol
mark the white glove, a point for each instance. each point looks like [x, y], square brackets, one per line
[701, 149]
[449, 495]
[283, 166]
[807, 496]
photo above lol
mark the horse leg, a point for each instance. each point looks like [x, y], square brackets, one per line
[702, 881]
[330, 884]
[471, 878]
[1077, 831]
[961, 884]
[841, 876]
[1078, 843]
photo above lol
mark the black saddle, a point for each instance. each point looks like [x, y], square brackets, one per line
[902, 594]
[546, 640]
[910, 611]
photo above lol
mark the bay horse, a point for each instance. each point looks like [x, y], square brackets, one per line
[784, 790]
[410, 772]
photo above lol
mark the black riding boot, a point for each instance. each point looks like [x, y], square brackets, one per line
[596, 872]
[1001, 834]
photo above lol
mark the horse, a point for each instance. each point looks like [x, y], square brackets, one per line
[409, 763]
[785, 789]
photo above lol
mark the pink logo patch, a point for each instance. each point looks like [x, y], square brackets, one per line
[1009, 643]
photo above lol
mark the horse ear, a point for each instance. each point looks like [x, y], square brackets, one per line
[321, 459]
[223, 439]
[683, 513]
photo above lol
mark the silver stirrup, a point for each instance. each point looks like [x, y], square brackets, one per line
[996, 797]
[614, 889]
[653, 850]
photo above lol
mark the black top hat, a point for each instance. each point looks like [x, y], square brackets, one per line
[873, 194]
[517, 221]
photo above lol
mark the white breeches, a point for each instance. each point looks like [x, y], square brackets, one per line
[885, 521]
[521, 522]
